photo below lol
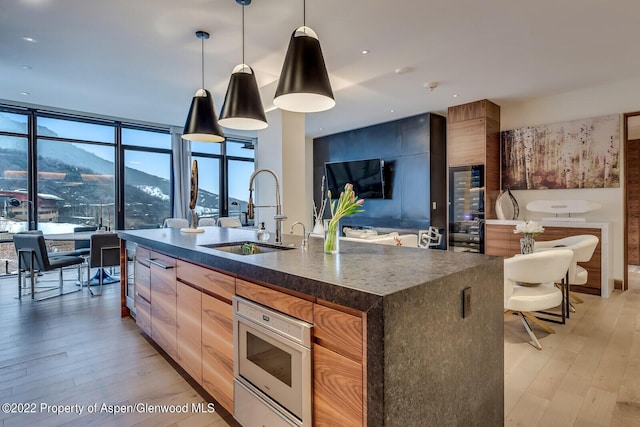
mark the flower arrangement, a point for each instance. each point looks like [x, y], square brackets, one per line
[529, 228]
[347, 204]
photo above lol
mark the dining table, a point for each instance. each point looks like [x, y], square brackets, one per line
[86, 236]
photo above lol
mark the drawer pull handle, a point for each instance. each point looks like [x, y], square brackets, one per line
[159, 264]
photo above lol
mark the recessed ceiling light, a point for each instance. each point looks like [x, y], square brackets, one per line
[455, 95]
[393, 111]
[25, 93]
[27, 67]
[364, 51]
[29, 39]
[403, 70]
[431, 86]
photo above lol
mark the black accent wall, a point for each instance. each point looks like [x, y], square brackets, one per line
[414, 154]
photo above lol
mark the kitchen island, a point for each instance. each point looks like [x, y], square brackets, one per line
[423, 362]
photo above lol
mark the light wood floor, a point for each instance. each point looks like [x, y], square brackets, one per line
[587, 374]
[76, 350]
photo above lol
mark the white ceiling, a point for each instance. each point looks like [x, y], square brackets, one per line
[140, 59]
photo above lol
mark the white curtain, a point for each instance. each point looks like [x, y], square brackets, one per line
[181, 173]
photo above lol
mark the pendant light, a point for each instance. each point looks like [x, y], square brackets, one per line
[202, 123]
[242, 108]
[304, 84]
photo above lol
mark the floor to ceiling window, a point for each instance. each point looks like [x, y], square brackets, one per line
[14, 166]
[60, 171]
[240, 165]
[76, 174]
[209, 157]
[147, 177]
[14, 129]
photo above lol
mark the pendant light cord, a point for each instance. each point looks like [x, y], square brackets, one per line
[304, 13]
[202, 57]
[243, 34]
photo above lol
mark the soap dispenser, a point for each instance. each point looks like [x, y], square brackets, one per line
[263, 234]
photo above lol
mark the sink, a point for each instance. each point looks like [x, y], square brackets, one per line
[247, 248]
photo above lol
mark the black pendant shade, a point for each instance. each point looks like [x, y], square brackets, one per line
[304, 83]
[242, 107]
[202, 123]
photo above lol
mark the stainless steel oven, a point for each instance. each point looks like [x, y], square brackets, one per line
[272, 367]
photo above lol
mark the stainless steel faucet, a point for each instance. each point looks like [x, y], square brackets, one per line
[304, 233]
[278, 216]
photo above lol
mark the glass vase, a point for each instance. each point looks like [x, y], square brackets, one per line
[318, 227]
[331, 236]
[526, 244]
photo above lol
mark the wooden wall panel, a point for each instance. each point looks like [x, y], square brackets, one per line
[633, 201]
[492, 167]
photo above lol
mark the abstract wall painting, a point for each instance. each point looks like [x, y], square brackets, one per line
[576, 154]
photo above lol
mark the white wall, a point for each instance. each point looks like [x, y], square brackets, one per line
[283, 148]
[614, 98]
[269, 156]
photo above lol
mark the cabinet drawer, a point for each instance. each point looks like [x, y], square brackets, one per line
[211, 281]
[143, 280]
[293, 306]
[339, 331]
[162, 260]
[143, 315]
[142, 254]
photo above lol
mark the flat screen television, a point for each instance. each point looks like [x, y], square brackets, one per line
[365, 175]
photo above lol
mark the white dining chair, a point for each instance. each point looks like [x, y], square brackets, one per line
[530, 285]
[203, 222]
[583, 247]
[229, 222]
[175, 223]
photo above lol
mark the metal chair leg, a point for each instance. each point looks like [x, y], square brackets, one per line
[535, 342]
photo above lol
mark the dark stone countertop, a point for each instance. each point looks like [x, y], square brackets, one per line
[358, 277]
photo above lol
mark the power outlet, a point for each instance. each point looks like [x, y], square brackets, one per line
[466, 302]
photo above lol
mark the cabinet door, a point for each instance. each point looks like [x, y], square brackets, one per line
[466, 142]
[217, 350]
[500, 240]
[163, 303]
[189, 330]
[142, 280]
[337, 389]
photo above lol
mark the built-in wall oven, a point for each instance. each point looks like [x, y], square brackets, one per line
[272, 367]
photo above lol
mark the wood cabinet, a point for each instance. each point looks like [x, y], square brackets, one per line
[189, 330]
[187, 310]
[280, 301]
[163, 302]
[502, 241]
[337, 389]
[339, 385]
[217, 350]
[142, 280]
[208, 299]
[473, 138]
